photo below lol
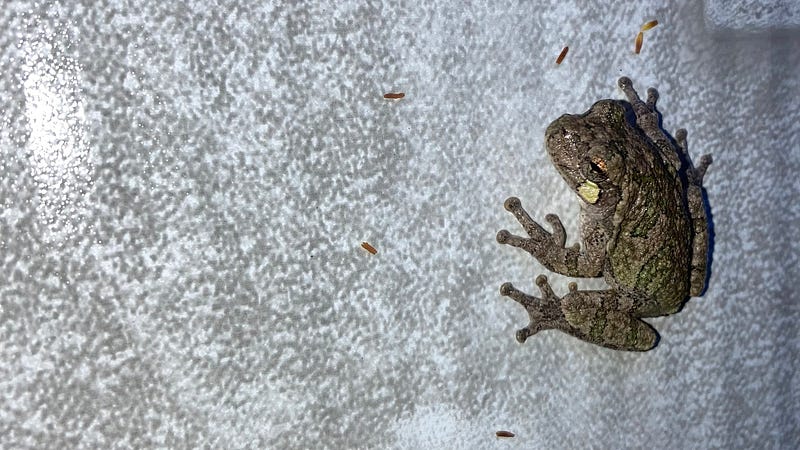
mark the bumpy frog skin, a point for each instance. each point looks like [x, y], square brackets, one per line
[643, 225]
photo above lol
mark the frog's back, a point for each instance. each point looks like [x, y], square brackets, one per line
[688, 178]
[652, 252]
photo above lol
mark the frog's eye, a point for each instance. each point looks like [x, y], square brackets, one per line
[595, 169]
[598, 165]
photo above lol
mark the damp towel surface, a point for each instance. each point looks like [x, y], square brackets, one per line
[185, 187]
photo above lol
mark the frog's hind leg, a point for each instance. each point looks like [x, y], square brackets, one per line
[697, 210]
[606, 318]
[598, 317]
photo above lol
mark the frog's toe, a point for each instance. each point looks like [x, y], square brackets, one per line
[701, 168]
[523, 334]
[512, 204]
[530, 303]
[559, 235]
[503, 236]
[680, 139]
[544, 287]
[652, 97]
[506, 289]
[625, 83]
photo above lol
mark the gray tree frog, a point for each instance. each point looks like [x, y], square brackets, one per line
[643, 225]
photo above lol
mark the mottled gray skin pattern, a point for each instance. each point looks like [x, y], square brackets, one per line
[643, 225]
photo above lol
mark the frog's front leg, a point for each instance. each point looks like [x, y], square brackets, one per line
[600, 317]
[549, 248]
[647, 118]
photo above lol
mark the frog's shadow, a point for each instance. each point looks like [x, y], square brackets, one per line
[685, 164]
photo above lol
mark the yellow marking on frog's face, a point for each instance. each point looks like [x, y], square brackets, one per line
[589, 191]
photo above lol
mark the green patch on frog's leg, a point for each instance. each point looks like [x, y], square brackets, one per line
[594, 317]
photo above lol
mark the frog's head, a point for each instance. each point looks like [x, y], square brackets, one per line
[589, 150]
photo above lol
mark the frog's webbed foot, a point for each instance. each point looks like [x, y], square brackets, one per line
[539, 243]
[646, 113]
[601, 317]
[545, 313]
[539, 240]
[696, 173]
[549, 247]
